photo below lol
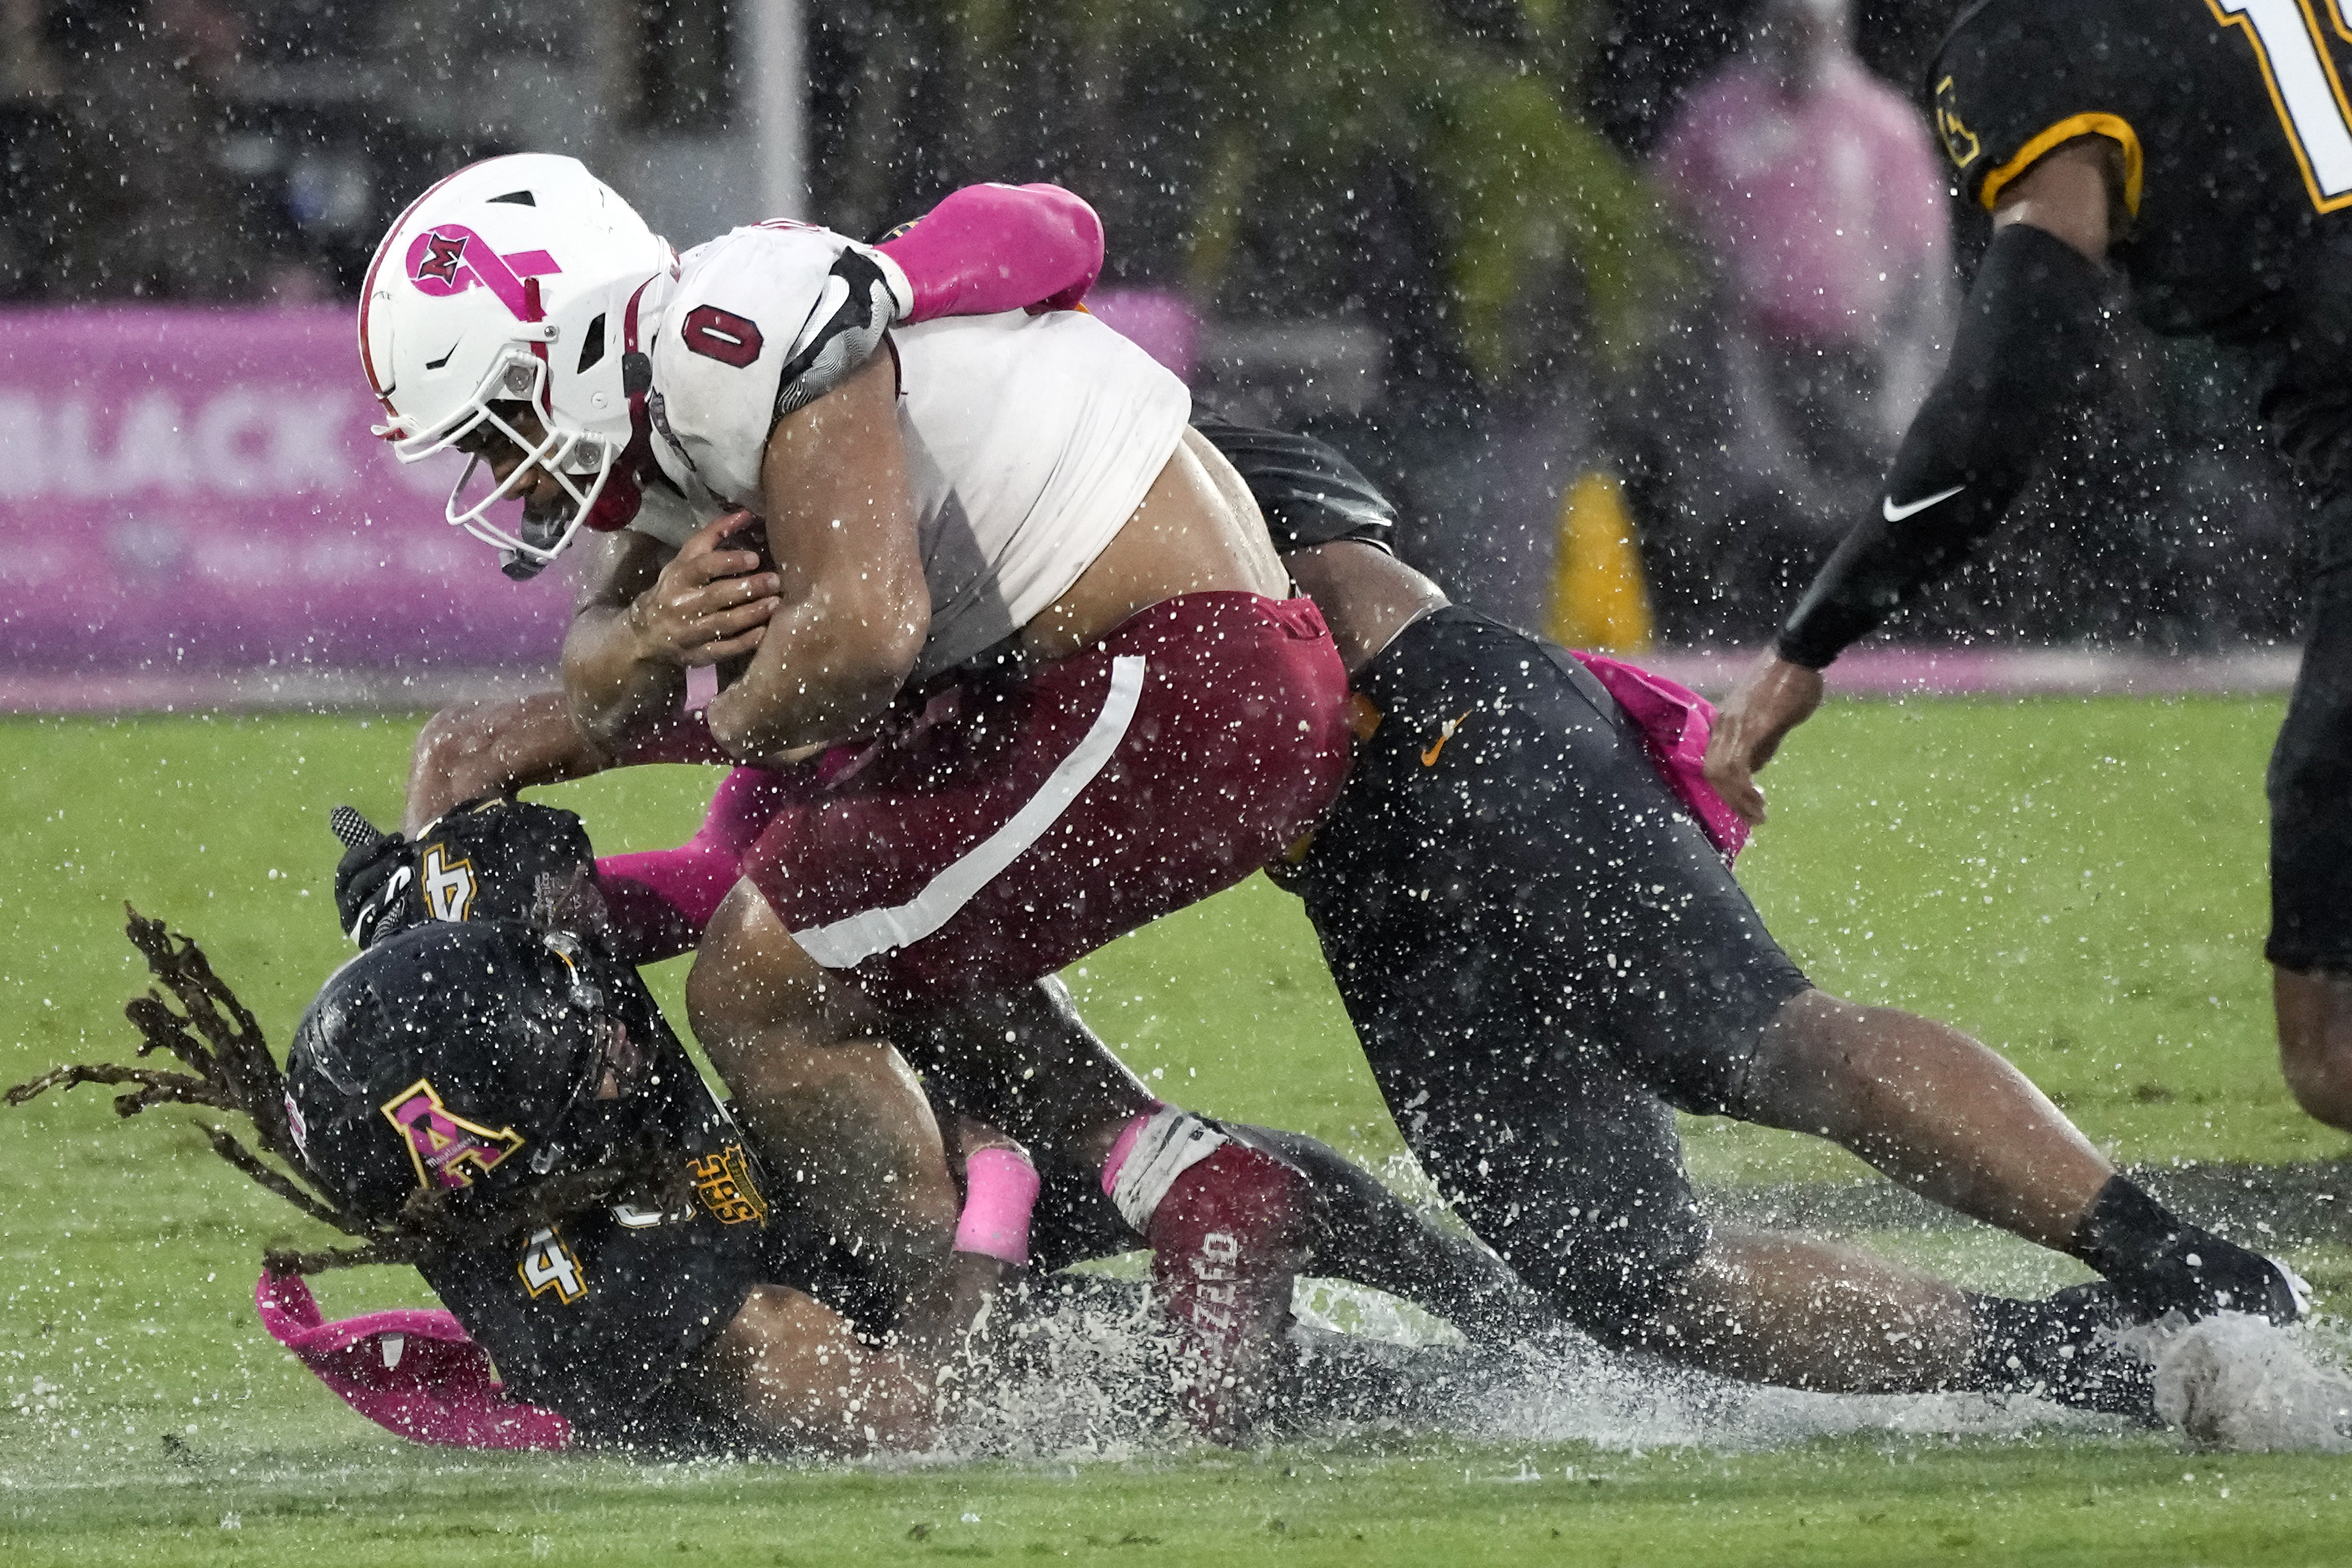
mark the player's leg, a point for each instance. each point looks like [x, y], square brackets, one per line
[841, 1116]
[2314, 1031]
[1029, 1065]
[1365, 1233]
[1572, 1170]
[1011, 825]
[1619, 922]
[1929, 1106]
[2310, 787]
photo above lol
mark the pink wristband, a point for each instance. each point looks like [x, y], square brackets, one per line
[1000, 1189]
[1125, 1145]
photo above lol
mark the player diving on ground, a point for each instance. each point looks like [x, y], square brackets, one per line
[1545, 955]
[490, 1093]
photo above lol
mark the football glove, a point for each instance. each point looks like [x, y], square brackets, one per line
[372, 878]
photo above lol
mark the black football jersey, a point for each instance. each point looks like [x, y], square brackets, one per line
[595, 1315]
[2231, 115]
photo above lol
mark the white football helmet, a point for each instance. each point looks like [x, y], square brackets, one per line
[517, 279]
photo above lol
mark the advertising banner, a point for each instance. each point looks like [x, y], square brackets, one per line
[186, 493]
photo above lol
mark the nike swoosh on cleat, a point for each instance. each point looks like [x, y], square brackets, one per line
[1896, 514]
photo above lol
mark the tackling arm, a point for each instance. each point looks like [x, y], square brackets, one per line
[793, 1367]
[852, 609]
[474, 749]
[2027, 333]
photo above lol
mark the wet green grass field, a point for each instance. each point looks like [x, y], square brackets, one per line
[2080, 882]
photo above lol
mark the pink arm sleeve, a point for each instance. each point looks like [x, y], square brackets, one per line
[661, 899]
[992, 248]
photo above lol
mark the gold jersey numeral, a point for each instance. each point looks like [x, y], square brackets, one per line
[2305, 89]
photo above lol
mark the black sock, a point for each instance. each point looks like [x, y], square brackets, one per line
[2162, 1263]
[2122, 1228]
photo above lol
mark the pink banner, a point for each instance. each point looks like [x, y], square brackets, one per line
[188, 492]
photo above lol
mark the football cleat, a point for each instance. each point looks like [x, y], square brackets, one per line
[2068, 1349]
[1227, 1243]
[2198, 1274]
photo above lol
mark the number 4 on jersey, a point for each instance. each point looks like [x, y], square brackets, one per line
[548, 1265]
[2305, 88]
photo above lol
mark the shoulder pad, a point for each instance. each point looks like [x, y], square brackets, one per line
[763, 321]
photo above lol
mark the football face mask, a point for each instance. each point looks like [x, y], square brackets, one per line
[511, 441]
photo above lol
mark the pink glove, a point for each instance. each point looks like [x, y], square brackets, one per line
[992, 248]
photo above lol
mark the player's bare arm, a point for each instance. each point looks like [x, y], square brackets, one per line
[853, 608]
[646, 615]
[1366, 594]
[2075, 194]
[794, 1368]
[2071, 195]
[473, 749]
[495, 748]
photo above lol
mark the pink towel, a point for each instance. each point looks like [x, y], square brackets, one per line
[1675, 722]
[412, 1372]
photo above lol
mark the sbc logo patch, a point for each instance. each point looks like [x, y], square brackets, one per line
[448, 1150]
[723, 1182]
[1960, 143]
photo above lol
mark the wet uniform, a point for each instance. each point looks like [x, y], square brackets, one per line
[1541, 951]
[2234, 135]
[1017, 816]
[597, 1316]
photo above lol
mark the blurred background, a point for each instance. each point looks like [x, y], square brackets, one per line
[1626, 300]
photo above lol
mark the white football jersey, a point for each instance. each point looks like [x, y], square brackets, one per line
[1030, 439]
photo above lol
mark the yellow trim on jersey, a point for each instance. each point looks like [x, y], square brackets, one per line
[2114, 127]
[2325, 202]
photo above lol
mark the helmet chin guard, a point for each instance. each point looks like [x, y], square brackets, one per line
[581, 464]
[516, 280]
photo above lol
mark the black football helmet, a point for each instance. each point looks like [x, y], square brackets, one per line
[483, 1055]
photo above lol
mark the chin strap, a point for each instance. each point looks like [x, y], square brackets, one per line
[624, 489]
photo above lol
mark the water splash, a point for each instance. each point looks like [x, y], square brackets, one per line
[2237, 1382]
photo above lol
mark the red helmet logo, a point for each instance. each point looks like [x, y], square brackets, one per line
[444, 252]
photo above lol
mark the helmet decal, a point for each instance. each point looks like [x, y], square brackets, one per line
[484, 304]
[442, 1145]
[452, 259]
